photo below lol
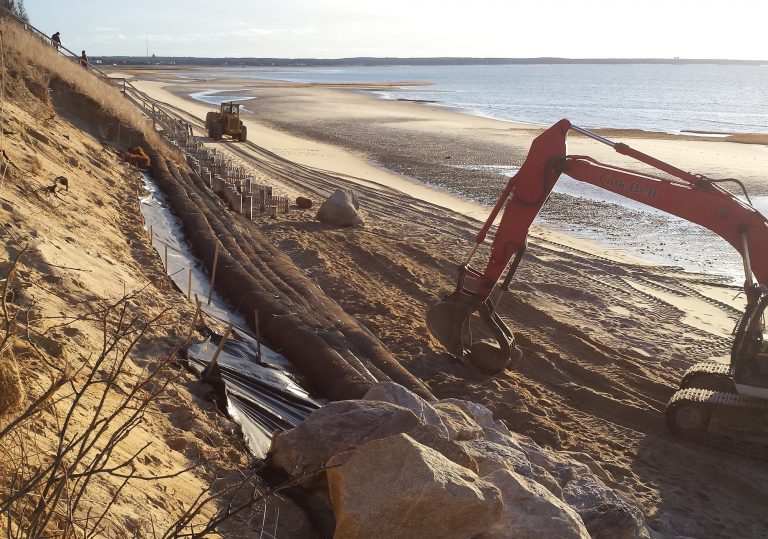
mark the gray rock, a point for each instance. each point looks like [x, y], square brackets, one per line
[334, 428]
[481, 414]
[453, 451]
[460, 425]
[531, 512]
[397, 394]
[606, 514]
[493, 456]
[341, 209]
[396, 487]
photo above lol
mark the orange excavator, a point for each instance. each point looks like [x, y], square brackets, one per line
[708, 389]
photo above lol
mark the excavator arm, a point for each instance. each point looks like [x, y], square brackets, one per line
[691, 197]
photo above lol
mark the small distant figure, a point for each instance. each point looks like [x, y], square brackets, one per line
[56, 40]
[84, 60]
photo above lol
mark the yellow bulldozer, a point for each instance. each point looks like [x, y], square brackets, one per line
[226, 122]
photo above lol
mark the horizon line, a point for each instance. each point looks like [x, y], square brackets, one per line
[493, 59]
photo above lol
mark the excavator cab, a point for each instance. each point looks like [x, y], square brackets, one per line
[749, 357]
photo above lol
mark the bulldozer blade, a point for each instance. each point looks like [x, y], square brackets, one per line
[449, 322]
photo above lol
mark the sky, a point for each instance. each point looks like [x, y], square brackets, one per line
[732, 29]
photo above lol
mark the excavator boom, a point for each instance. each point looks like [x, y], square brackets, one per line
[692, 197]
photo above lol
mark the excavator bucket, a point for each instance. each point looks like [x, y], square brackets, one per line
[449, 321]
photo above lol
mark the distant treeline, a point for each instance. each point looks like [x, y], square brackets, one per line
[363, 61]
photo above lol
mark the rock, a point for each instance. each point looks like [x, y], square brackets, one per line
[605, 513]
[304, 203]
[453, 451]
[481, 414]
[334, 428]
[397, 394]
[396, 487]
[531, 512]
[341, 209]
[460, 426]
[492, 457]
[593, 466]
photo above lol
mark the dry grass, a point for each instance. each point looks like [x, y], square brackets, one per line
[11, 390]
[42, 55]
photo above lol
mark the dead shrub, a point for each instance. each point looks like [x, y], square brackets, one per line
[137, 158]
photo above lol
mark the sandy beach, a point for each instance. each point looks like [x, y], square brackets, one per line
[605, 336]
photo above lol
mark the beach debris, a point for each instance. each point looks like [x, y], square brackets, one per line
[341, 209]
[304, 203]
[53, 189]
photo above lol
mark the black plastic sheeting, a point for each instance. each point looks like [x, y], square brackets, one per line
[260, 396]
[339, 358]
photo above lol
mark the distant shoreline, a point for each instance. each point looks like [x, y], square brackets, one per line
[182, 61]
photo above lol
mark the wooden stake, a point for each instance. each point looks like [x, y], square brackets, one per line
[198, 312]
[215, 358]
[166, 258]
[189, 285]
[213, 272]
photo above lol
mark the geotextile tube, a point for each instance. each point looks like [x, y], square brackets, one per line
[337, 355]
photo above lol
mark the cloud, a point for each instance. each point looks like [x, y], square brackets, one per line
[261, 32]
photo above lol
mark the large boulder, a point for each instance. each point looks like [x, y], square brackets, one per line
[396, 487]
[531, 511]
[397, 394]
[341, 209]
[334, 428]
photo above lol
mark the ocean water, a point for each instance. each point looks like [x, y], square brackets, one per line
[706, 99]
[654, 97]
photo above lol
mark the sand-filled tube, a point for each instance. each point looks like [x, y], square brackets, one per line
[339, 357]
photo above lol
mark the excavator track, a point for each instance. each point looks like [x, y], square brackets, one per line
[728, 421]
[711, 375]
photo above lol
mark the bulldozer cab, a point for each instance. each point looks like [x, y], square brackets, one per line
[230, 109]
[230, 113]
